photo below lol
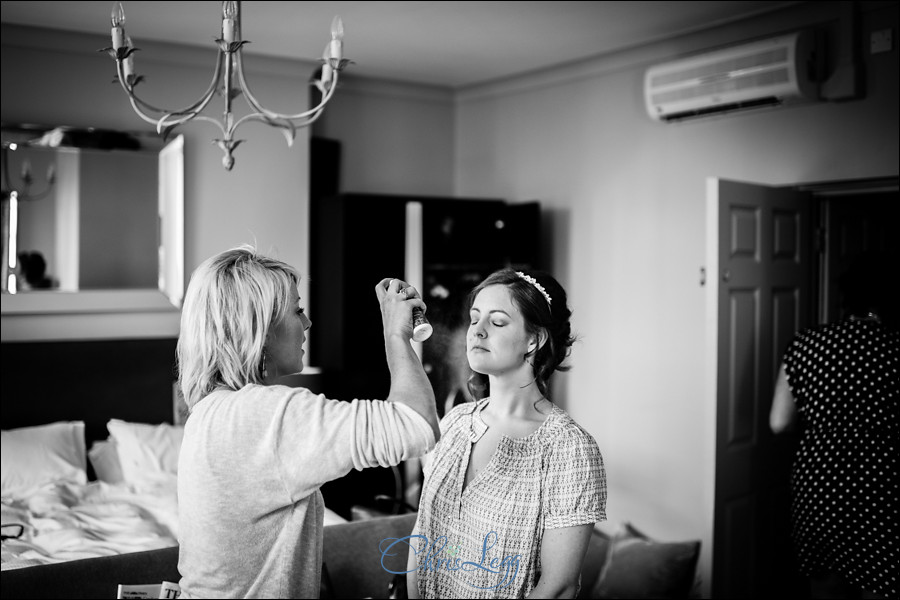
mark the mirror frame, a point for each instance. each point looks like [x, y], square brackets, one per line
[113, 314]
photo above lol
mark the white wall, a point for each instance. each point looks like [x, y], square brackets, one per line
[626, 199]
[395, 138]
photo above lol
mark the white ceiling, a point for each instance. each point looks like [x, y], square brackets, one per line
[455, 44]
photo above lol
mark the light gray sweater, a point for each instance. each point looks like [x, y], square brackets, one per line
[249, 473]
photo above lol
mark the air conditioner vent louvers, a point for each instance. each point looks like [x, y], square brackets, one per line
[772, 57]
[750, 81]
[723, 108]
[762, 73]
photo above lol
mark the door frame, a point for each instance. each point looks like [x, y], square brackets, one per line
[822, 194]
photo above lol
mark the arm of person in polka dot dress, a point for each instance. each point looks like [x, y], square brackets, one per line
[783, 416]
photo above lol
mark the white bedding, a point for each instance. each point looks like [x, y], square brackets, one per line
[67, 521]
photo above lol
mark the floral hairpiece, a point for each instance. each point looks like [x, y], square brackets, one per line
[535, 283]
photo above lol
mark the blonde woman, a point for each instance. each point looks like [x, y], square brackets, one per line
[255, 453]
[515, 485]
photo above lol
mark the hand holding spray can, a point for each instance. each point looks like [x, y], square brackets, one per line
[421, 327]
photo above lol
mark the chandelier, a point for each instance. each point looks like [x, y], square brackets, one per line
[228, 80]
[24, 190]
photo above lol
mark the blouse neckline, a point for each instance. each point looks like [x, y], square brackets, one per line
[480, 427]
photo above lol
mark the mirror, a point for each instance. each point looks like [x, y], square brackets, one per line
[102, 218]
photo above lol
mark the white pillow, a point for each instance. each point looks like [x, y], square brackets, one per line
[147, 453]
[104, 457]
[34, 456]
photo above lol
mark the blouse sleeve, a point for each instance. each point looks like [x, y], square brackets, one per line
[575, 488]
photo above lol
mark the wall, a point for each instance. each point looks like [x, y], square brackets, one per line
[395, 138]
[625, 199]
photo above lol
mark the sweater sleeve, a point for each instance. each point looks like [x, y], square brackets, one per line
[321, 440]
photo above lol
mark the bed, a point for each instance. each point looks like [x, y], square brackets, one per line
[52, 513]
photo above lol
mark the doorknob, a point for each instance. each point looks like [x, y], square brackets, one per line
[726, 275]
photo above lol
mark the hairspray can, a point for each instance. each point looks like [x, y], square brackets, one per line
[421, 327]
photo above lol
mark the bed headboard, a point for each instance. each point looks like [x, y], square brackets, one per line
[90, 381]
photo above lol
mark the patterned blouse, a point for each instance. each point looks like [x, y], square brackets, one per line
[484, 541]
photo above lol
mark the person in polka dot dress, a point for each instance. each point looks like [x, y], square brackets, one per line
[842, 382]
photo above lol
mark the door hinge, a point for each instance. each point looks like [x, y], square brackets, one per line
[821, 239]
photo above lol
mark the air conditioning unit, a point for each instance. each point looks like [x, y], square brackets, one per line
[768, 72]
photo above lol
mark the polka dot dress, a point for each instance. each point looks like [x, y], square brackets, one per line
[845, 378]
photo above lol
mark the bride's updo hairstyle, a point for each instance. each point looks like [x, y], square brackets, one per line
[544, 306]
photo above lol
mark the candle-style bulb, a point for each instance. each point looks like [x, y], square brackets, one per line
[118, 20]
[337, 42]
[229, 12]
[118, 15]
[337, 28]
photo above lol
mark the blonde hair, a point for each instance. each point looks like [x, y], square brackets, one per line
[231, 302]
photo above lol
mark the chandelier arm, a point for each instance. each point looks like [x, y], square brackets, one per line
[135, 104]
[264, 119]
[28, 197]
[24, 194]
[254, 103]
[287, 127]
[176, 118]
[164, 124]
[280, 123]
[196, 107]
[159, 122]
[312, 119]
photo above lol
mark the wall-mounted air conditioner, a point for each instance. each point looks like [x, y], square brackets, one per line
[768, 72]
